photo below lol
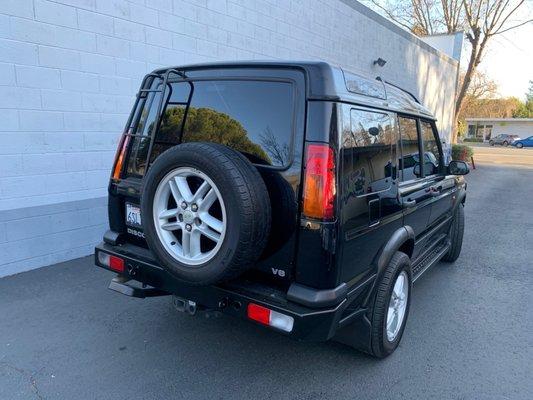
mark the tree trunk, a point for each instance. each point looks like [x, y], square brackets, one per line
[475, 59]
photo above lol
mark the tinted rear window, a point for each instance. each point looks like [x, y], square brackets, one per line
[253, 117]
[249, 116]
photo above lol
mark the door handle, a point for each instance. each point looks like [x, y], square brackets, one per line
[434, 190]
[408, 203]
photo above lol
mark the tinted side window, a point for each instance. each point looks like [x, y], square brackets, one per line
[431, 149]
[368, 153]
[410, 150]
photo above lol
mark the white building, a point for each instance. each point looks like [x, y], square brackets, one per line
[486, 128]
[69, 70]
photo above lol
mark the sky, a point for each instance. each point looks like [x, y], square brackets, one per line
[509, 61]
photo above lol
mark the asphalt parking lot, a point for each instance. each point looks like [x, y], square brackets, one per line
[63, 335]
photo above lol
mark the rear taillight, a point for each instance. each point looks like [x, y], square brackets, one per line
[119, 158]
[319, 182]
[112, 262]
[270, 317]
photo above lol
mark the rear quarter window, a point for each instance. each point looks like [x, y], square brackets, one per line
[369, 153]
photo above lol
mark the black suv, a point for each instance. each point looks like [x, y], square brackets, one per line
[290, 194]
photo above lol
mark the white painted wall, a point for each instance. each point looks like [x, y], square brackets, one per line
[69, 70]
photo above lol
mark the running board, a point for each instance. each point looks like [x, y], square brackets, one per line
[430, 259]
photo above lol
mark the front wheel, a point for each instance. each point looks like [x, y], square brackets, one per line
[456, 235]
[506, 143]
[519, 145]
[391, 306]
[491, 142]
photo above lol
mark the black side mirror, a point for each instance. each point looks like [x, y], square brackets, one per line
[458, 168]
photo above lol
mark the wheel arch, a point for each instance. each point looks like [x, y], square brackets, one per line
[403, 239]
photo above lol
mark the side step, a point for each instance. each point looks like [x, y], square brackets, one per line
[120, 284]
[429, 259]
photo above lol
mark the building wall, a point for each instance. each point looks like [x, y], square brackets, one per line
[69, 70]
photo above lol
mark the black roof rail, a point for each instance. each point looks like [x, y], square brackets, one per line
[400, 88]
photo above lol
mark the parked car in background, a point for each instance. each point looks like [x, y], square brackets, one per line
[527, 142]
[504, 139]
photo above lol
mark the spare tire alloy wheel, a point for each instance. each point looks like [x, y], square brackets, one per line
[193, 215]
[206, 212]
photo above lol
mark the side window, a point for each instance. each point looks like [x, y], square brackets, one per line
[369, 152]
[431, 149]
[410, 151]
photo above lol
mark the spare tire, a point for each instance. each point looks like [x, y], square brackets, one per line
[205, 212]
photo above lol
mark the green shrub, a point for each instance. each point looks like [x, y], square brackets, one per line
[473, 140]
[462, 152]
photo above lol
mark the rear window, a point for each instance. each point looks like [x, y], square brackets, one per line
[253, 117]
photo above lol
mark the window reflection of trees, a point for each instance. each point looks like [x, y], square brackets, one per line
[207, 125]
[278, 153]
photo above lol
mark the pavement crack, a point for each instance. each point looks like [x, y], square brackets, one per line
[26, 374]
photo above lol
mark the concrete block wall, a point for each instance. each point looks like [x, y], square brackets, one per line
[69, 70]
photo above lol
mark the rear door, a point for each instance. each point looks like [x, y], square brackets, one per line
[370, 210]
[258, 112]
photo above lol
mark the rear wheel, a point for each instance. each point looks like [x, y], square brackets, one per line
[491, 142]
[506, 143]
[391, 306]
[456, 235]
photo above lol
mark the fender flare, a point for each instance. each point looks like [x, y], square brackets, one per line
[399, 237]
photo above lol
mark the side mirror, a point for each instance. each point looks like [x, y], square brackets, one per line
[458, 168]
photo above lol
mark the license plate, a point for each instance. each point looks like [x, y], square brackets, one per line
[133, 215]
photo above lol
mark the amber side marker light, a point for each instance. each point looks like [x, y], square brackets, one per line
[119, 158]
[319, 182]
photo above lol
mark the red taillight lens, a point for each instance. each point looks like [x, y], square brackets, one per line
[269, 317]
[259, 313]
[119, 158]
[112, 262]
[116, 264]
[319, 182]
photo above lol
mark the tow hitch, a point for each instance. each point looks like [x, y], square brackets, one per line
[184, 305]
[121, 284]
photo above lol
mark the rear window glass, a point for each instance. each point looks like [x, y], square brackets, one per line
[253, 117]
[250, 116]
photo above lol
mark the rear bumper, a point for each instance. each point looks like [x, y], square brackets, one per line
[315, 324]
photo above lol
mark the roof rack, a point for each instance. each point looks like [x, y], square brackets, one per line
[399, 88]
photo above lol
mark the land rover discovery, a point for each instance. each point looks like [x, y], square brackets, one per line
[299, 196]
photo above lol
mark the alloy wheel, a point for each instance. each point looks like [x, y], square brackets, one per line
[397, 306]
[189, 216]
